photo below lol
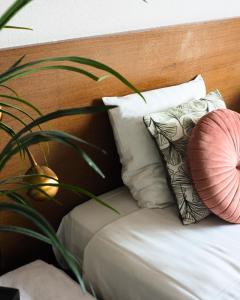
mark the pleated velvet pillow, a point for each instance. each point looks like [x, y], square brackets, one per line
[214, 163]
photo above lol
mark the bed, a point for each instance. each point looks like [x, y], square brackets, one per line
[168, 56]
[148, 253]
[84, 221]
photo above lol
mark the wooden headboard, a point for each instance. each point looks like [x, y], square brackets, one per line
[149, 59]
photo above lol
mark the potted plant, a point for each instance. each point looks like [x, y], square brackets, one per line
[41, 181]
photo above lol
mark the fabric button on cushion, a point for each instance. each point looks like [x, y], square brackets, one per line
[214, 162]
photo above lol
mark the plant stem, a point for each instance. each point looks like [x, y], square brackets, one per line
[31, 158]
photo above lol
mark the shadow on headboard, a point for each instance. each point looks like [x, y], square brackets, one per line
[149, 59]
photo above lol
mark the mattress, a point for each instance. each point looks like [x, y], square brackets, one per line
[84, 221]
[149, 254]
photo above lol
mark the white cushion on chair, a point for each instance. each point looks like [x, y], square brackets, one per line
[41, 281]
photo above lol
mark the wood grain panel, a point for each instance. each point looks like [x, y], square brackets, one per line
[149, 59]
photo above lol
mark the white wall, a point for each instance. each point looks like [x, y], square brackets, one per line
[54, 20]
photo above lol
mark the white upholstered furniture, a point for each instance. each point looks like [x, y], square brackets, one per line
[41, 281]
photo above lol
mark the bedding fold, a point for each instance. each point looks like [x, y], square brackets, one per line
[149, 254]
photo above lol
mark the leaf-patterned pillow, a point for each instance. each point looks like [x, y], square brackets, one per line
[171, 130]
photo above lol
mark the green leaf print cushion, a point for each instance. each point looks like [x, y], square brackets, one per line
[171, 129]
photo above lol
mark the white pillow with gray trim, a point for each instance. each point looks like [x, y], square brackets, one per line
[142, 168]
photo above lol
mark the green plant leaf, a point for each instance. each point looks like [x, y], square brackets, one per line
[52, 116]
[20, 110]
[14, 65]
[3, 104]
[11, 133]
[73, 188]
[28, 115]
[13, 116]
[80, 190]
[64, 113]
[55, 67]
[13, 179]
[58, 136]
[7, 129]
[48, 230]
[25, 231]
[27, 103]
[42, 191]
[10, 89]
[75, 59]
[14, 196]
[16, 27]
[92, 291]
[11, 11]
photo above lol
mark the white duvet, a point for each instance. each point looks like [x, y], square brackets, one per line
[149, 254]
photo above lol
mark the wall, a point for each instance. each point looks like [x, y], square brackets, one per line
[54, 20]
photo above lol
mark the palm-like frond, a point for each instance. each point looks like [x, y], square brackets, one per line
[23, 101]
[23, 184]
[11, 11]
[10, 132]
[22, 70]
[21, 140]
[52, 116]
[16, 27]
[47, 230]
[46, 136]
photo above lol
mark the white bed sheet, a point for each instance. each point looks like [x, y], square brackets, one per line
[151, 255]
[85, 220]
[148, 254]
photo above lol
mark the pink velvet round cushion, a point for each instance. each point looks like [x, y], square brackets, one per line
[214, 162]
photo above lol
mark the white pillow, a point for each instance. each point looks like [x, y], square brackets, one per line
[142, 168]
